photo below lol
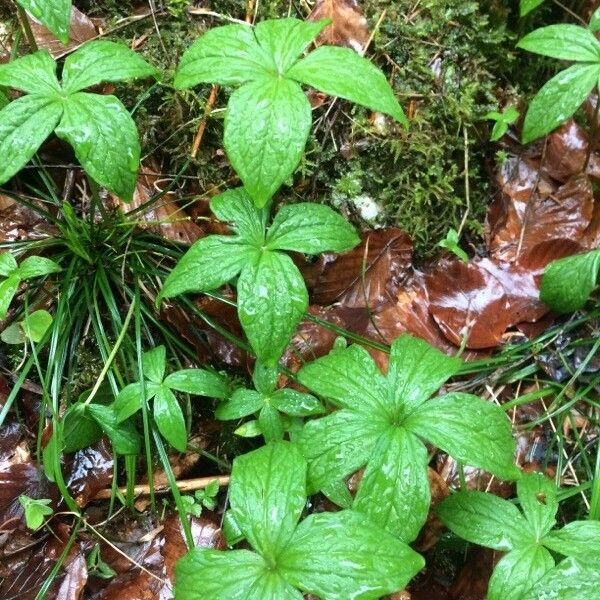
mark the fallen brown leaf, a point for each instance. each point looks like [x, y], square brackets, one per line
[349, 26]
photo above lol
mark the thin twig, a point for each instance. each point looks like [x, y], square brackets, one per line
[467, 183]
[594, 132]
[210, 104]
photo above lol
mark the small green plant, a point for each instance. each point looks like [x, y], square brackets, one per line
[528, 569]
[269, 403]
[503, 120]
[560, 97]
[451, 243]
[271, 293]
[13, 274]
[193, 505]
[382, 424]
[96, 566]
[337, 555]
[167, 412]
[36, 510]
[526, 6]
[99, 128]
[269, 117]
[54, 14]
[568, 282]
[33, 327]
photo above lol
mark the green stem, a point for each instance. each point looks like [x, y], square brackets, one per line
[27, 29]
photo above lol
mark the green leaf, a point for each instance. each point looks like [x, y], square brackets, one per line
[350, 378]
[394, 491]
[129, 399]
[266, 127]
[486, 520]
[272, 299]
[237, 209]
[207, 265]
[338, 445]
[567, 283]
[270, 423]
[526, 6]
[102, 61]
[567, 42]
[225, 55]
[8, 289]
[265, 377]
[217, 575]
[286, 39]
[578, 539]
[33, 73]
[471, 430]
[169, 418]
[569, 580]
[13, 335]
[199, 382]
[37, 266]
[518, 571]
[595, 21]
[267, 495]
[249, 429]
[558, 99]
[154, 363]
[3, 99]
[343, 73]
[296, 404]
[343, 555]
[8, 263]
[241, 404]
[24, 124]
[416, 371]
[35, 510]
[537, 495]
[311, 229]
[105, 140]
[80, 430]
[53, 14]
[36, 324]
[123, 436]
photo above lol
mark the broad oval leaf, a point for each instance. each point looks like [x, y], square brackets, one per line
[471, 430]
[102, 61]
[129, 399]
[241, 404]
[36, 324]
[270, 423]
[169, 418]
[225, 55]
[33, 73]
[266, 127]
[343, 73]
[236, 208]
[558, 99]
[311, 229]
[8, 263]
[207, 265]
[272, 298]
[486, 520]
[8, 289]
[24, 124]
[343, 555]
[578, 539]
[105, 140]
[565, 41]
[37, 266]
[518, 571]
[199, 382]
[537, 495]
[526, 6]
[394, 491]
[80, 430]
[123, 436]
[154, 363]
[296, 404]
[53, 14]
[267, 495]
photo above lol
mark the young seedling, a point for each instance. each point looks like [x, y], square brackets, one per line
[382, 424]
[270, 404]
[36, 510]
[53, 14]
[99, 128]
[560, 97]
[568, 283]
[333, 555]
[527, 571]
[193, 505]
[451, 243]
[166, 410]
[502, 120]
[268, 117]
[271, 293]
[12, 274]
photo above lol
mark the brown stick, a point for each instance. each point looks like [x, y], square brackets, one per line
[185, 485]
[210, 104]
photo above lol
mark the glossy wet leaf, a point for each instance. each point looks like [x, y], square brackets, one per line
[565, 41]
[296, 404]
[486, 520]
[33, 73]
[123, 436]
[568, 282]
[169, 418]
[539, 503]
[198, 382]
[472, 430]
[577, 538]
[154, 363]
[129, 399]
[241, 404]
[8, 264]
[272, 298]
[236, 208]
[80, 430]
[37, 266]
[54, 14]
[343, 73]
[518, 571]
[270, 423]
[266, 128]
[341, 555]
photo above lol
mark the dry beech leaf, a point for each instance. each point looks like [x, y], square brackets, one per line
[348, 28]
[20, 223]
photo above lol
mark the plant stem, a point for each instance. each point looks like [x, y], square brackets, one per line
[27, 29]
[594, 133]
